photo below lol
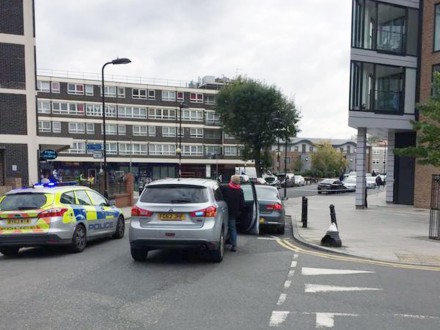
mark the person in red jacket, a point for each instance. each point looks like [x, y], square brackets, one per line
[234, 197]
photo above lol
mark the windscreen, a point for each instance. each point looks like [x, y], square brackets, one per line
[174, 194]
[22, 202]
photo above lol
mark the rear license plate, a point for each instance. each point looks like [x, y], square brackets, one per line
[171, 216]
[18, 221]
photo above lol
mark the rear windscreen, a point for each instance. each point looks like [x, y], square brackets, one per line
[22, 202]
[174, 194]
[270, 194]
[270, 179]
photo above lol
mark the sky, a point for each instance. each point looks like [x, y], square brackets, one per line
[300, 46]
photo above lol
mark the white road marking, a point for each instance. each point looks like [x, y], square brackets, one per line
[269, 238]
[327, 320]
[287, 284]
[291, 273]
[295, 256]
[326, 271]
[421, 317]
[313, 288]
[293, 264]
[281, 299]
[277, 318]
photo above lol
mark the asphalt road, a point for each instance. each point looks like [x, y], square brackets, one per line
[271, 282]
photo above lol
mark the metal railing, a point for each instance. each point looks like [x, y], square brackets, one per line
[434, 216]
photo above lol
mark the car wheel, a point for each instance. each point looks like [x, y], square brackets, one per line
[217, 254]
[139, 254]
[280, 230]
[9, 251]
[120, 228]
[79, 239]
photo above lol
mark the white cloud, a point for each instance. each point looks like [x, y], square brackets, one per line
[300, 47]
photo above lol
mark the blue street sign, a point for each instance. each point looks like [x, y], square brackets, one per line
[48, 154]
[94, 146]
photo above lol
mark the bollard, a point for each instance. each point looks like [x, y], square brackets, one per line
[332, 238]
[304, 211]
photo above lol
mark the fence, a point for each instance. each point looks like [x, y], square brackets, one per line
[434, 217]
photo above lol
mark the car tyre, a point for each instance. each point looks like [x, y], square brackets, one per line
[120, 228]
[217, 254]
[280, 230]
[9, 251]
[139, 254]
[79, 239]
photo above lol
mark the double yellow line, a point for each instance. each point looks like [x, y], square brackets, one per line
[290, 246]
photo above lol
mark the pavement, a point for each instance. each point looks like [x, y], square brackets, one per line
[385, 232]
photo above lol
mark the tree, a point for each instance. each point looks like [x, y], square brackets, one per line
[427, 150]
[256, 114]
[327, 162]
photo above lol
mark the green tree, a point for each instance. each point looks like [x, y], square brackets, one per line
[427, 149]
[256, 114]
[326, 161]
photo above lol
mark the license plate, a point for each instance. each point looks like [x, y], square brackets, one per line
[18, 221]
[262, 220]
[171, 216]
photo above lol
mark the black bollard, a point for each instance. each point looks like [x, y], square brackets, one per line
[304, 211]
[332, 238]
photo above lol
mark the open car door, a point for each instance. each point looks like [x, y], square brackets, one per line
[247, 222]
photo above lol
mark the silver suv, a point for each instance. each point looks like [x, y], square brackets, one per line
[179, 213]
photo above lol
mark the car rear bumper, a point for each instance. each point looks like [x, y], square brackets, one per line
[152, 244]
[27, 240]
[271, 221]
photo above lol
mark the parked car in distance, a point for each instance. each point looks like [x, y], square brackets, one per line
[179, 213]
[272, 211]
[286, 179]
[259, 181]
[329, 186]
[273, 181]
[47, 215]
[299, 180]
[371, 182]
[350, 183]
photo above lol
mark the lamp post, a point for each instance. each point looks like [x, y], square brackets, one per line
[104, 135]
[179, 150]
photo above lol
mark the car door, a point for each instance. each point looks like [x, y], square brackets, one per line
[93, 222]
[248, 222]
[222, 208]
[107, 215]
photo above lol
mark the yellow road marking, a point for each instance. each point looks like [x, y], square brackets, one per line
[290, 246]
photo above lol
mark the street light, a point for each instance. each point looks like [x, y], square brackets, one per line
[179, 149]
[104, 136]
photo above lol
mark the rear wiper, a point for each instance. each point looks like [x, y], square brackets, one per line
[180, 201]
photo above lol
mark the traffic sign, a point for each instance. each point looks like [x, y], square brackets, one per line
[94, 146]
[98, 154]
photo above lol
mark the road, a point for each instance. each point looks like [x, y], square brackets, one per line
[270, 283]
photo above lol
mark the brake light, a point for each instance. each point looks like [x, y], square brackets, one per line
[138, 212]
[274, 207]
[56, 212]
[209, 212]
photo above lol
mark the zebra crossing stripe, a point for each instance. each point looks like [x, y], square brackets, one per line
[277, 318]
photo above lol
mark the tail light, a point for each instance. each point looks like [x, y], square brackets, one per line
[274, 207]
[138, 212]
[209, 212]
[56, 212]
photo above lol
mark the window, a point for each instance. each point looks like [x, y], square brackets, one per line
[139, 130]
[303, 147]
[229, 137]
[109, 91]
[168, 96]
[132, 112]
[193, 150]
[168, 131]
[93, 110]
[162, 149]
[230, 150]
[121, 92]
[180, 96]
[44, 126]
[311, 149]
[139, 93]
[167, 114]
[78, 148]
[111, 148]
[151, 130]
[77, 128]
[210, 99]
[437, 28]
[89, 90]
[55, 85]
[212, 150]
[68, 108]
[43, 86]
[90, 128]
[43, 106]
[56, 127]
[151, 94]
[98, 199]
[295, 148]
[83, 198]
[122, 130]
[196, 97]
[196, 133]
[348, 149]
[212, 118]
[110, 129]
[192, 115]
[133, 149]
[67, 198]
[75, 89]
[212, 134]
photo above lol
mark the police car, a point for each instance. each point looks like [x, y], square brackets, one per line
[54, 215]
